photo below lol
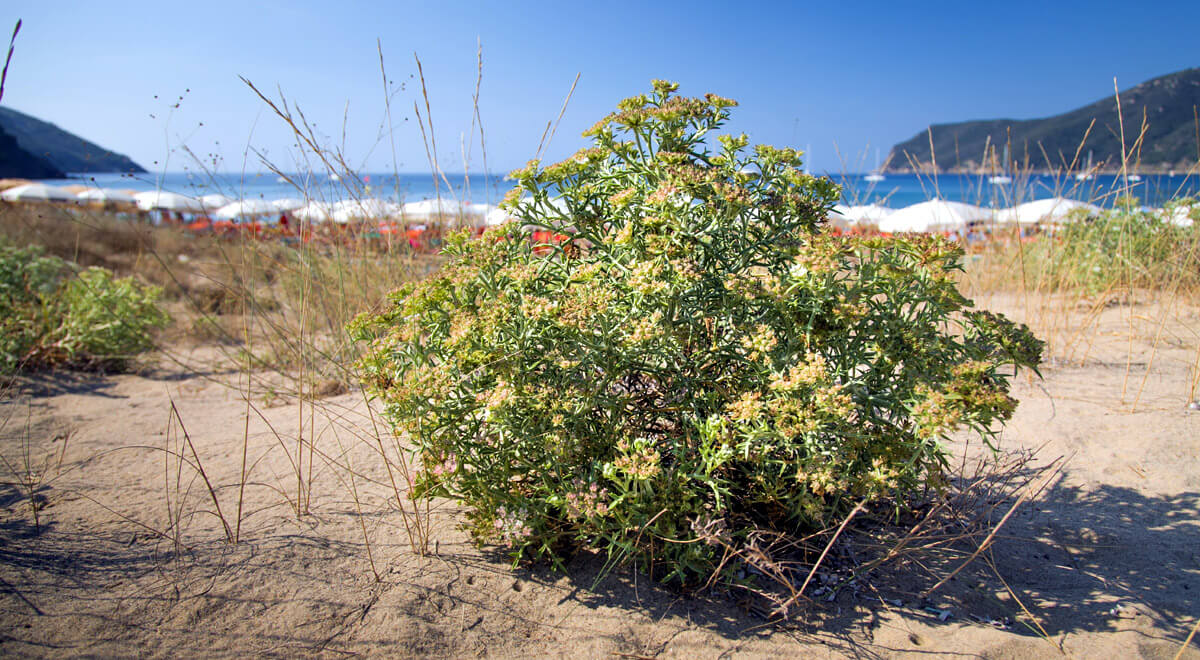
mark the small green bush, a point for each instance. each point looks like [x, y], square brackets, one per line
[51, 315]
[1125, 247]
[698, 360]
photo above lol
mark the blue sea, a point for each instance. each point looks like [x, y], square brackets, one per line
[895, 191]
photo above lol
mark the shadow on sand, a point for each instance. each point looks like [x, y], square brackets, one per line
[1080, 560]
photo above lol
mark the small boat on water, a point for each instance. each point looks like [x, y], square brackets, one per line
[1086, 175]
[874, 176]
[1002, 178]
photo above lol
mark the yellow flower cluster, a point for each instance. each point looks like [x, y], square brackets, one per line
[848, 311]
[520, 273]
[499, 396]
[745, 409]
[821, 480]
[537, 307]
[813, 370]
[686, 269]
[664, 193]
[622, 198]
[638, 460]
[760, 344]
[461, 326]
[624, 235]
[733, 194]
[646, 278]
[754, 283]
[583, 304]
[646, 328]
[588, 272]
[835, 402]
[794, 417]
[815, 261]
[530, 169]
[934, 414]
[587, 501]
[883, 476]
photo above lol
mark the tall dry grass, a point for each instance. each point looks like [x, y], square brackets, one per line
[1064, 278]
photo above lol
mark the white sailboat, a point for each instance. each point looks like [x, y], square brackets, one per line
[1002, 178]
[874, 176]
[1086, 175]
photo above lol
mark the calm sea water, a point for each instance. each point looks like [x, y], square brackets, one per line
[404, 188]
[895, 191]
[900, 190]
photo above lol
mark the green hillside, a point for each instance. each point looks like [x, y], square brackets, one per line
[1168, 104]
[15, 162]
[62, 150]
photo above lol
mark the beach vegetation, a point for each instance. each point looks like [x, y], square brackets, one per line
[54, 313]
[1125, 247]
[691, 362]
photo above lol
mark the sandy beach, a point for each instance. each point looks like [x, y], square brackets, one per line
[1104, 561]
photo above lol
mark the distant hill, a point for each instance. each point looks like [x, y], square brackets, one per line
[62, 150]
[15, 162]
[1170, 105]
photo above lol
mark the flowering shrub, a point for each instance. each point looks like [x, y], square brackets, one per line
[697, 361]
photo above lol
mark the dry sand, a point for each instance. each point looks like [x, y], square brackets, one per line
[1106, 560]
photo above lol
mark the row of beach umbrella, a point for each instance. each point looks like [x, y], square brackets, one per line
[221, 207]
[934, 215]
[941, 215]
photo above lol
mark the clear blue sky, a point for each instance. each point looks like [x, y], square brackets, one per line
[855, 74]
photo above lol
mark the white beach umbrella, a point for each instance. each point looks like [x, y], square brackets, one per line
[106, 195]
[363, 209]
[216, 200]
[37, 192]
[933, 215]
[497, 216]
[1054, 209]
[247, 208]
[431, 207]
[162, 200]
[870, 214]
[288, 204]
[314, 212]
[478, 210]
[837, 216]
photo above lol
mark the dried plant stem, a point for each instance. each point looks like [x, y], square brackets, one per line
[358, 507]
[554, 127]
[12, 42]
[203, 475]
[1041, 630]
[1188, 641]
[1154, 350]
[813, 571]
[1029, 492]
